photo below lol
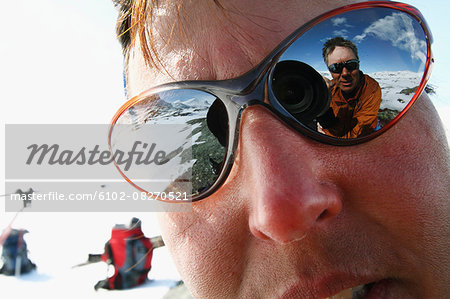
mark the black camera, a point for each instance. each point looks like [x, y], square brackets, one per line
[300, 90]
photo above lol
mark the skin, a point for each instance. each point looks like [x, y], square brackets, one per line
[347, 80]
[297, 218]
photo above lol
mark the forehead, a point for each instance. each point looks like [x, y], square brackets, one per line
[340, 54]
[200, 40]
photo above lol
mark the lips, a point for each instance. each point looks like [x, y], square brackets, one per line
[346, 83]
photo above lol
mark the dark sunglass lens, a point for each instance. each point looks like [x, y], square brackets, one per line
[351, 65]
[336, 68]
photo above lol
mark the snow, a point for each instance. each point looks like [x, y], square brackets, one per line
[392, 83]
[58, 241]
[198, 103]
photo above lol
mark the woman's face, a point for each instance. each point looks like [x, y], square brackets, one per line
[297, 218]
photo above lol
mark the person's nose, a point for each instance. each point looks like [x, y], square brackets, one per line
[286, 193]
[345, 71]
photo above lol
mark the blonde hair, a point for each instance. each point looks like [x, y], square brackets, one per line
[133, 15]
[135, 21]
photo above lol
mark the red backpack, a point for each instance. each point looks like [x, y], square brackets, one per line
[130, 252]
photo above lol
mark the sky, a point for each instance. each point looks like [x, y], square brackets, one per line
[386, 41]
[60, 62]
[436, 16]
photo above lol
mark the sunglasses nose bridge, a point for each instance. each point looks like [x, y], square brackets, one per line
[345, 70]
[253, 93]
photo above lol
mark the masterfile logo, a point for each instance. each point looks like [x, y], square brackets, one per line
[73, 168]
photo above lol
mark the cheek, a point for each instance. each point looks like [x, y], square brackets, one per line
[397, 180]
[335, 76]
[207, 244]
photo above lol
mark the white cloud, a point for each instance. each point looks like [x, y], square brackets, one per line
[397, 29]
[338, 21]
[343, 33]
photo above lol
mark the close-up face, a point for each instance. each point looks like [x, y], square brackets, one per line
[296, 218]
[347, 80]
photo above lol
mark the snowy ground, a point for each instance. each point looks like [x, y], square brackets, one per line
[57, 241]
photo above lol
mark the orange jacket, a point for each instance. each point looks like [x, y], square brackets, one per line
[356, 116]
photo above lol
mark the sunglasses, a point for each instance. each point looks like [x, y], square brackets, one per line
[183, 135]
[350, 65]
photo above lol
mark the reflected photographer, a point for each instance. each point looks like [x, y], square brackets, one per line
[355, 96]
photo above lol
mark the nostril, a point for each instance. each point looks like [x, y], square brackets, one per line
[323, 215]
[257, 233]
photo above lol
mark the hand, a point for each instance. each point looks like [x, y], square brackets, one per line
[320, 129]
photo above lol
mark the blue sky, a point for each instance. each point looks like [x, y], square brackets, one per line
[436, 15]
[387, 40]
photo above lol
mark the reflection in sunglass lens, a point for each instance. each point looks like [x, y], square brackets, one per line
[189, 126]
[374, 93]
[208, 151]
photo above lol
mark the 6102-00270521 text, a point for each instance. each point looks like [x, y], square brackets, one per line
[100, 196]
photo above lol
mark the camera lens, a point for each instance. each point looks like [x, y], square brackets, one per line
[300, 90]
